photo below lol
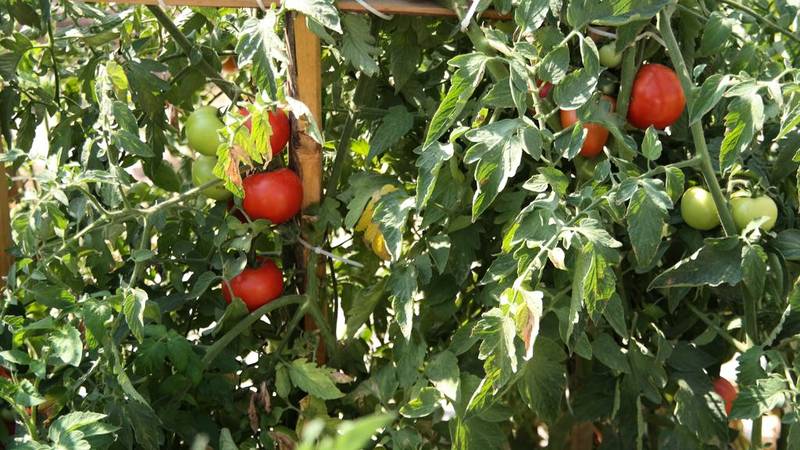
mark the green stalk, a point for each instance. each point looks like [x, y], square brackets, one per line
[230, 90]
[497, 69]
[754, 14]
[728, 225]
[698, 137]
[626, 81]
[219, 345]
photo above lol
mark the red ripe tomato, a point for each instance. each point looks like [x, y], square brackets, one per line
[657, 97]
[596, 136]
[727, 391]
[255, 286]
[545, 90]
[275, 196]
[281, 129]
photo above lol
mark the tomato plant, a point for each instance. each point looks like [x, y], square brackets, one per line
[596, 134]
[512, 289]
[275, 196]
[747, 209]
[201, 130]
[279, 123]
[202, 173]
[609, 56]
[657, 98]
[698, 209]
[255, 286]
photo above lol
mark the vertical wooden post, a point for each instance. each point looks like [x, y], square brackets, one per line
[5, 221]
[306, 154]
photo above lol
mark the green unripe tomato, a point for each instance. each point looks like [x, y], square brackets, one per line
[698, 209]
[609, 57]
[747, 209]
[201, 130]
[203, 172]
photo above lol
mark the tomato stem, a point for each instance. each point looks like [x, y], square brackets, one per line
[751, 12]
[219, 345]
[626, 83]
[230, 90]
[698, 136]
[728, 225]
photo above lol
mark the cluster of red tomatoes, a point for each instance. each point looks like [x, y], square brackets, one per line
[658, 100]
[275, 196]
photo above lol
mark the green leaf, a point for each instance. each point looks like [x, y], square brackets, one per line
[358, 44]
[530, 14]
[675, 183]
[142, 254]
[651, 146]
[756, 400]
[716, 33]
[72, 422]
[698, 412]
[754, 270]
[575, 89]
[202, 283]
[356, 434]
[497, 152]
[133, 304]
[362, 308]
[497, 332]
[554, 66]
[608, 352]
[444, 373]
[323, 12]
[593, 284]
[718, 261]
[422, 405]
[429, 163]
[394, 126]
[66, 345]
[788, 243]
[790, 121]
[647, 213]
[405, 55]
[226, 441]
[465, 79]
[391, 214]
[707, 96]
[745, 117]
[313, 380]
[544, 381]
[129, 142]
[403, 286]
[261, 46]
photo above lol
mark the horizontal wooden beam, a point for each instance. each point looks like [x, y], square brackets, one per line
[399, 7]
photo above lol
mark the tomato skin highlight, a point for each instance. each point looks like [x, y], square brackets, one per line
[727, 391]
[746, 209]
[201, 130]
[698, 209]
[255, 286]
[596, 135]
[203, 172]
[275, 196]
[281, 128]
[657, 97]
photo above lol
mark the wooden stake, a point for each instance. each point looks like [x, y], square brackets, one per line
[5, 222]
[305, 153]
